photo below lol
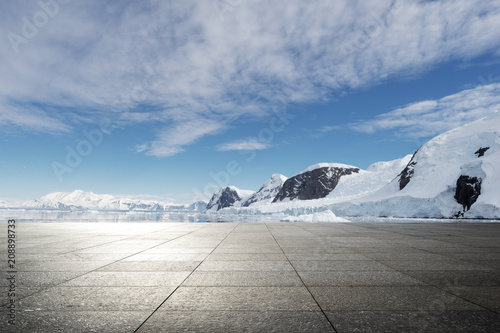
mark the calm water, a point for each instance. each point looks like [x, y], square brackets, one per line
[179, 216]
[122, 216]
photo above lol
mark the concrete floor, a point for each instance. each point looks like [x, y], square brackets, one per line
[251, 277]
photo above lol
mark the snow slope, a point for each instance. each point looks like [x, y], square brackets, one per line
[266, 193]
[367, 181]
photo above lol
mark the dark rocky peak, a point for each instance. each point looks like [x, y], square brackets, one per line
[225, 197]
[314, 183]
[468, 190]
[480, 152]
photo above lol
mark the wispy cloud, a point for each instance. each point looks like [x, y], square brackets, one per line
[182, 61]
[246, 144]
[30, 118]
[172, 140]
[318, 133]
[428, 118]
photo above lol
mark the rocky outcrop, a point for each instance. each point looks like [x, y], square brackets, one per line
[468, 190]
[313, 184]
[480, 152]
[225, 197]
[407, 173]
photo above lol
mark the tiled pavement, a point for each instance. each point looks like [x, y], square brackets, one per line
[254, 277]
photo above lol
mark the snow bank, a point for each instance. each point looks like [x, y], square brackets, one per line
[323, 216]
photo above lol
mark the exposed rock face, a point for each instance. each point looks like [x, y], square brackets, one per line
[314, 184]
[480, 152]
[225, 197]
[407, 173]
[468, 190]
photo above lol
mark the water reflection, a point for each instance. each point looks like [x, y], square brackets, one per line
[28, 215]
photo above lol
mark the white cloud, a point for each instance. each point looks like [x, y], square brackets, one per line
[185, 62]
[246, 144]
[172, 140]
[428, 118]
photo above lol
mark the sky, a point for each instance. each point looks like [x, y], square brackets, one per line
[175, 99]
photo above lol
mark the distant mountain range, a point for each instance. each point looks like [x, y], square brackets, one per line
[81, 200]
[456, 174]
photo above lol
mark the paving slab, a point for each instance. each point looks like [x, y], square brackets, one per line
[127, 279]
[241, 299]
[102, 298]
[357, 278]
[430, 265]
[415, 321]
[245, 265]
[246, 256]
[387, 298]
[40, 278]
[244, 279]
[151, 266]
[238, 321]
[339, 265]
[38, 321]
[455, 278]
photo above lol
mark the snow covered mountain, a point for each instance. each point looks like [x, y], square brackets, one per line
[315, 182]
[367, 181]
[226, 197]
[231, 196]
[349, 186]
[81, 200]
[455, 174]
[267, 192]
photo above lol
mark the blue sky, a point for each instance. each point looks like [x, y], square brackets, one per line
[173, 99]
